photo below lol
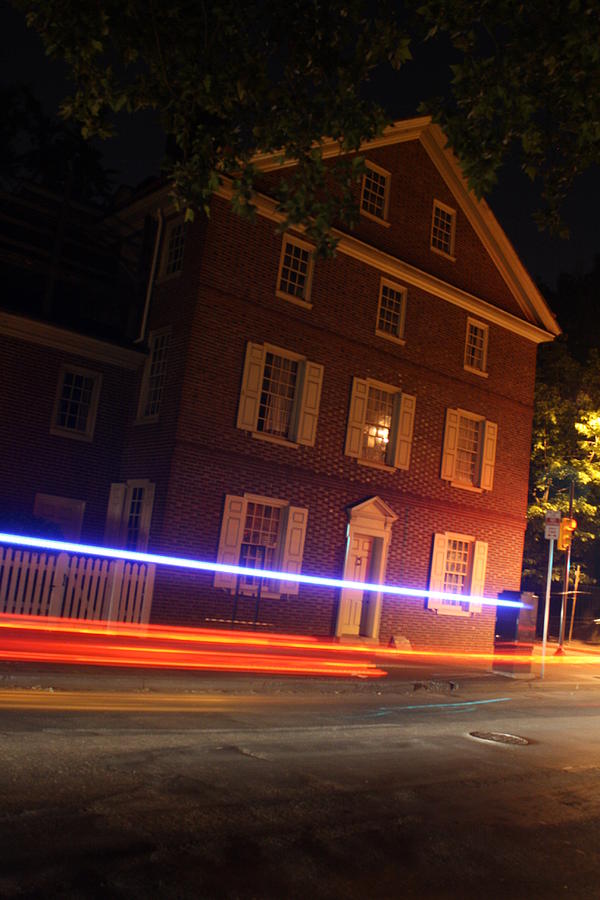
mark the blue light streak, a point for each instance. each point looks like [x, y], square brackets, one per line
[19, 540]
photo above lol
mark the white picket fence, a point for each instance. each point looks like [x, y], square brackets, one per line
[71, 586]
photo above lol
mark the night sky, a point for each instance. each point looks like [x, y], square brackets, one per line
[136, 153]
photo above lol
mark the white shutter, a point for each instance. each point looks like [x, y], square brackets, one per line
[114, 514]
[294, 532]
[438, 569]
[356, 417]
[232, 529]
[450, 445]
[308, 398]
[145, 517]
[488, 455]
[480, 552]
[403, 419]
[251, 387]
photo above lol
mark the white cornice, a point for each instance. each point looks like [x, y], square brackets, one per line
[489, 231]
[407, 130]
[408, 274]
[70, 341]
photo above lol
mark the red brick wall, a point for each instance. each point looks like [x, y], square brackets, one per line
[34, 461]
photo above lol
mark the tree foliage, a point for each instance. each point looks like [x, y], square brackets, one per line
[229, 79]
[566, 442]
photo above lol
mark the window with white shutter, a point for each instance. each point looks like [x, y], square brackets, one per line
[380, 424]
[469, 450]
[280, 395]
[458, 566]
[261, 533]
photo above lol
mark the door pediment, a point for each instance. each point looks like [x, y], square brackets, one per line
[373, 512]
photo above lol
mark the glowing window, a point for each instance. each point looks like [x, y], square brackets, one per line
[76, 403]
[277, 395]
[295, 270]
[378, 421]
[391, 312]
[442, 228]
[374, 194]
[476, 346]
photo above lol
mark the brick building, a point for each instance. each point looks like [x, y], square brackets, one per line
[366, 416]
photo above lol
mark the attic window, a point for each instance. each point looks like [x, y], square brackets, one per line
[443, 223]
[374, 198]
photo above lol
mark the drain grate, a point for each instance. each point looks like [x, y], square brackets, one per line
[498, 737]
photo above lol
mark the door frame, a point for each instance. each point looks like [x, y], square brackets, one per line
[372, 517]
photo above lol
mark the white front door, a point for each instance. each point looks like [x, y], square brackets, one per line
[358, 568]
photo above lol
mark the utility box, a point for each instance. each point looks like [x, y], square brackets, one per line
[515, 633]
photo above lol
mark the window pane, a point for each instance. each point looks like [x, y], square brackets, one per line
[259, 543]
[390, 311]
[373, 193]
[277, 396]
[475, 348]
[75, 401]
[175, 249]
[378, 422]
[157, 374]
[456, 575]
[441, 231]
[294, 270]
[468, 450]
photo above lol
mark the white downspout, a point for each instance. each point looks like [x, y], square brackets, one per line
[142, 334]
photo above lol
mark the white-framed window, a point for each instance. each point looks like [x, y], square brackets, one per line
[173, 248]
[129, 514]
[65, 512]
[76, 403]
[154, 377]
[443, 226]
[380, 424]
[280, 395]
[476, 344]
[294, 277]
[391, 311]
[375, 193]
[469, 451]
[261, 533]
[458, 565]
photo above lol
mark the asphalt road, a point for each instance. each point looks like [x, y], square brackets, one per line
[292, 791]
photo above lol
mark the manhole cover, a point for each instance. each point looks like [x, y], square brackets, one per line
[498, 737]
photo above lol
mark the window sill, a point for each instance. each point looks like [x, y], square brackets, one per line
[297, 301]
[443, 253]
[390, 337]
[377, 219]
[74, 435]
[473, 371]
[466, 487]
[371, 464]
[447, 610]
[146, 420]
[273, 439]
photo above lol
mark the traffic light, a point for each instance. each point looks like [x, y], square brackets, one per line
[567, 527]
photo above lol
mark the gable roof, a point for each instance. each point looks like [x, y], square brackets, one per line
[489, 231]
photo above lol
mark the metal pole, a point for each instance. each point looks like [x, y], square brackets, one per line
[547, 607]
[575, 588]
[565, 594]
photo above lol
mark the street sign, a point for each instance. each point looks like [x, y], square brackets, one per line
[552, 525]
